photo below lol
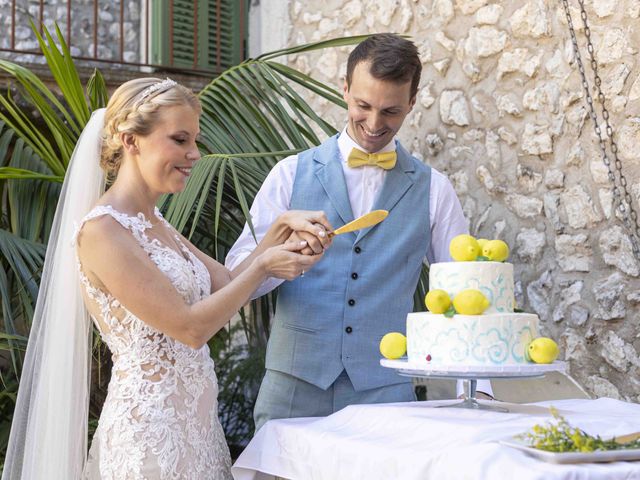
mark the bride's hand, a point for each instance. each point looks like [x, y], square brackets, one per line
[285, 261]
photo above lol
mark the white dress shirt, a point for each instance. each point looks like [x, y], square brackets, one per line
[363, 185]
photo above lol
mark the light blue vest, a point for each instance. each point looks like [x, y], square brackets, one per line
[334, 317]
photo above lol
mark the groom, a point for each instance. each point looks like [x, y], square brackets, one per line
[323, 352]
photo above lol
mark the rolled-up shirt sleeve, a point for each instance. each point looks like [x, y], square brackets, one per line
[273, 199]
[447, 217]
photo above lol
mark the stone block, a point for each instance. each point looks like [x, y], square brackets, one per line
[554, 178]
[518, 60]
[489, 14]
[629, 141]
[453, 108]
[616, 251]
[608, 295]
[573, 252]
[536, 139]
[469, 7]
[531, 20]
[529, 244]
[579, 208]
[601, 387]
[485, 41]
[569, 295]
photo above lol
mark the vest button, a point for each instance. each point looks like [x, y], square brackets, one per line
[351, 302]
[348, 329]
[354, 275]
[357, 249]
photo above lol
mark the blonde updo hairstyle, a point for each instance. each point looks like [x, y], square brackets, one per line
[128, 112]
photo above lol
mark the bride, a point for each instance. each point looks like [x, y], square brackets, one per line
[153, 296]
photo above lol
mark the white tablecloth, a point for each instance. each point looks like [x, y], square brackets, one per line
[416, 441]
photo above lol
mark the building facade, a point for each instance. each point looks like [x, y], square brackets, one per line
[502, 112]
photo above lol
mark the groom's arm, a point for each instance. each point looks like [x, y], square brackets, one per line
[273, 199]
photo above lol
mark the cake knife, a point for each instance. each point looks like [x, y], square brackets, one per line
[366, 220]
[630, 437]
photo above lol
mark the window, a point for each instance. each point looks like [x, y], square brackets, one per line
[199, 34]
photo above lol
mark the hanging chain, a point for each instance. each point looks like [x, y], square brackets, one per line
[621, 196]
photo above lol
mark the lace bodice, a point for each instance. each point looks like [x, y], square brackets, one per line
[160, 418]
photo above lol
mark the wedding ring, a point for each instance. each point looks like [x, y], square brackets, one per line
[302, 274]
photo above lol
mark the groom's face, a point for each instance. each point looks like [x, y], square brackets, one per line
[376, 108]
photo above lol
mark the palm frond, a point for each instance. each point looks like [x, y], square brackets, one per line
[97, 90]
[18, 293]
[308, 47]
[10, 342]
[64, 120]
[25, 259]
[11, 173]
[65, 73]
[31, 189]
[252, 107]
[10, 320]
[24, 127]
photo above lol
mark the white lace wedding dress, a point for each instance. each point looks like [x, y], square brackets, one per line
[160, 417]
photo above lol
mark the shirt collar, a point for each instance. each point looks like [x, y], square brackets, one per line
[346, 143]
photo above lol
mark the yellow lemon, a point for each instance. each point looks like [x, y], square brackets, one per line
[470, 302]
[393, 345]
[496, 250]
[437, 301]
[464, 248]
[542, 350]
[482, 242]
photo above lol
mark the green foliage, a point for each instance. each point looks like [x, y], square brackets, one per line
[253, 116]
[8, 394]
[562, 437]
[34, 155]
[239, 368]
[249, 108]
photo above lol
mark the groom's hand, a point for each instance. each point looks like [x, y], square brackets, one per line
[315, 244]
[312, 222]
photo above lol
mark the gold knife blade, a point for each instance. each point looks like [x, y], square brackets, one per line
[630, 437]
[366, 220]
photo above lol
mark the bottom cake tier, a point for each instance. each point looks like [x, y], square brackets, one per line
[495, 339]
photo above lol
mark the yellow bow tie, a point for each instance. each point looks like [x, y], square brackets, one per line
[358, 158]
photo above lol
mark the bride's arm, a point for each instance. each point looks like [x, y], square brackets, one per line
[311, 222]
[111, 255]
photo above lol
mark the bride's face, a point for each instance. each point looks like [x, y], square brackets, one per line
[169, 152]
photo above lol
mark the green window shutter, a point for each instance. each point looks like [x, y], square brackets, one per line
[220, 39]
[227, 26]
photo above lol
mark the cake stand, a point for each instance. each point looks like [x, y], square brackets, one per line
[471, 374]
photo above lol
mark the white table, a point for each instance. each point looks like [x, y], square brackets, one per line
[414, 441]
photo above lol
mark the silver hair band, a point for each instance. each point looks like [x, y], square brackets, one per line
[163, 85]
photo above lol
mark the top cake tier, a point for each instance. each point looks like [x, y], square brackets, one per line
[493, 279]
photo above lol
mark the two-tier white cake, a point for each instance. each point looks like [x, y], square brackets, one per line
[497, 337]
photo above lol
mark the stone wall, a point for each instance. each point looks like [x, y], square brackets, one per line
[82, 28]
[501, 112]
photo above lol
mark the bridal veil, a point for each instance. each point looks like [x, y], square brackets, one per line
[49, 431]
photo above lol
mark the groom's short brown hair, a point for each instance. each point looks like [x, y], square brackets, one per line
[392, 58]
